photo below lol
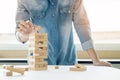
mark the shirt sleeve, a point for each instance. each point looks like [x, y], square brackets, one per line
[21, 14]
[81, 24]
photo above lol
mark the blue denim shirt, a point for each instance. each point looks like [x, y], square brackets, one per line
[56, 18]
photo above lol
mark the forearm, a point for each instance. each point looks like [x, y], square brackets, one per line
[93, 55]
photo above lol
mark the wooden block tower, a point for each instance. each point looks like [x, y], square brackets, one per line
[38, 51]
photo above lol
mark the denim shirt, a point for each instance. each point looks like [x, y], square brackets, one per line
[56, 18]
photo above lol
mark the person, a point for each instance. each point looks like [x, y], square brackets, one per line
[56, 18]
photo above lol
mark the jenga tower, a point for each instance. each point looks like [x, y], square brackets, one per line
[38, 50]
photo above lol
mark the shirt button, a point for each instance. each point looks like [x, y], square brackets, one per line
[53, 15]
[40, 16]
[69, 11]
[52, 3]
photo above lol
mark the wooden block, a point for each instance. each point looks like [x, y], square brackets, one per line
[39, 64]
[34, 62]
[38, 36]
[79, 65]
[38, 69]
[38, 45]
[42, 41]
[35, 40]
[26, 69]
[38, 28]
[38, 53]
[77, 69]
[18, 70]
[5, 67]
[56, 67]
[43, 56]
[9, 73]
[43, 48]
[36, 59]
[38, 48]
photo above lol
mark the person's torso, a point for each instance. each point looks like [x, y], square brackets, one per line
[55, 17]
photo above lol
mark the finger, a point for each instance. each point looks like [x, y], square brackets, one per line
[23, 31]
[30, 24]
[24, 24]
[23, 27]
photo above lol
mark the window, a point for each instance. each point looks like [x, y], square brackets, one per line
[7, 16]
[104, 15]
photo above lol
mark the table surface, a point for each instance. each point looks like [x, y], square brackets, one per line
[63, 73]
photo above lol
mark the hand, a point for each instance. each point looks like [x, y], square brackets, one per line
[26, 28]
[92, 53]
[102, 63]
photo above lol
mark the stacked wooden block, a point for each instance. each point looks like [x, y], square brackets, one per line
[38, 50]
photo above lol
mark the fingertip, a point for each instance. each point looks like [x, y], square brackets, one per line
[27, 21]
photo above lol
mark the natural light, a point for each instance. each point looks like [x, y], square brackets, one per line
[104, 15]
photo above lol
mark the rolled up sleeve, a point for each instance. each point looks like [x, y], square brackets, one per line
[81, 24]
[21, 14]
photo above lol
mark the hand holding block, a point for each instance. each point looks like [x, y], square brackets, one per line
[36, 27]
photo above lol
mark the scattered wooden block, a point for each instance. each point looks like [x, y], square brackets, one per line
[56, 67]
[9, 73]
[78, 67]
[26, 69]
[12, 69]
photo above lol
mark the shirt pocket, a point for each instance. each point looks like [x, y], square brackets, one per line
[66, 8]
[38, 8]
